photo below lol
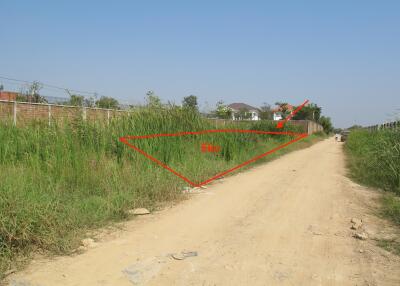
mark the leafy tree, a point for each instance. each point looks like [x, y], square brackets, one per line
[80, 100]
[355, 127]
[266, 112]
[1, 87]
[190, 102]
[326, 124]
[107, 102]
[152, 100]
[283, 108]
[308, 112]
[337, 130]
[31, 93]
[222, 111]
[75, 100]
[22, 97]
[89, 102]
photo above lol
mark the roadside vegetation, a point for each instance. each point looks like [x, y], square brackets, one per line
[374, 160]
[58, 182]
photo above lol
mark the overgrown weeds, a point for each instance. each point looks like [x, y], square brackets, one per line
[391, 208]
[58, 182]
[390, 245]
[374, 160]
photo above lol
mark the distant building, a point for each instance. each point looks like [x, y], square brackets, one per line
[8, 95]
[242, 111]
[277, 115]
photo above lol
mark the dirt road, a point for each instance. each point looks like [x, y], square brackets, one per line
[283, 223]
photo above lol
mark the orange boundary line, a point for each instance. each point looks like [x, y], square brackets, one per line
[125, 139]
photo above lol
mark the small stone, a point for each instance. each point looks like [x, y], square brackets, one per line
[195, 190]
[178, 256]
[88, 243]
[361, 251]
[356, 223]
[184, 254]
[139, 211]
[361, 235]
[317, 233]
[356, 220]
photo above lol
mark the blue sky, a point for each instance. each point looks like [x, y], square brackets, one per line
[342, 55]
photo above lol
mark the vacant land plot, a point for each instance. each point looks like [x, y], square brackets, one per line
[59, 181]
[287, 222]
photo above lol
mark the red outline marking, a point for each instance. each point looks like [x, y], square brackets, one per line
[125, 139]
[281, 123]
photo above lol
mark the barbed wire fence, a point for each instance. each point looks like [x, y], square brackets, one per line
[388, 125]
[54, 94]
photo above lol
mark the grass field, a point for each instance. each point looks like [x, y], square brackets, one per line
[58, 182]
[374, 160]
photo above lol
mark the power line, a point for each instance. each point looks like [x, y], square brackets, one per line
[50, 86]
[67, 90]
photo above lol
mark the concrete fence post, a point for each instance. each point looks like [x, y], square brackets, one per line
[108, 117]
[49, 114]
[15, 113]
[84, 113]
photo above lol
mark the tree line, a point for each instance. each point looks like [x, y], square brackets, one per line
[311, 111]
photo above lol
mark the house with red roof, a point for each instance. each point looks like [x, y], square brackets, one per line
[8, 95]
[281, 110]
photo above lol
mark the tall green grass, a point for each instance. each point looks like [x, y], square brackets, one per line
[58, 182]
[374, 160]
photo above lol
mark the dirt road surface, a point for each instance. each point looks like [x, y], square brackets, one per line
[286, 222]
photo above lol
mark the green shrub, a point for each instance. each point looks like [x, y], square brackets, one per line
[391, 208]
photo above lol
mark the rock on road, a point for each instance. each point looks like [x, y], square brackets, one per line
[286, 222]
